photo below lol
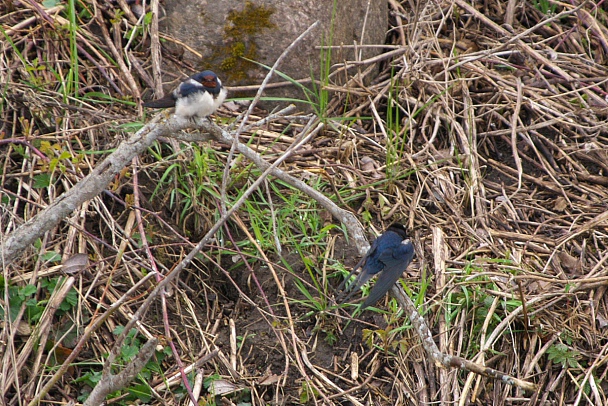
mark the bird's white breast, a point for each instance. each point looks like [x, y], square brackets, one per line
[220, 98]
[199, 104]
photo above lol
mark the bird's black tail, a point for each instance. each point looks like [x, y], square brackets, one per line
[163, 103]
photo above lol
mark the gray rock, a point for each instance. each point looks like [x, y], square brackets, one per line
[223, 31]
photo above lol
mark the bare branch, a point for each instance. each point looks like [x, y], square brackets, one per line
[111, 383]
[89, 187]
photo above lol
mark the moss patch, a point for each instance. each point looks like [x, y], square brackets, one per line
[239, 40]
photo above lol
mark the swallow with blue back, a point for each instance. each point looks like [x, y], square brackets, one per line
[389, 256]
[198, 96]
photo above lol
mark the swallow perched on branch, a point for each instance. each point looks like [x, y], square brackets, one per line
[199, 95]
[389, 256]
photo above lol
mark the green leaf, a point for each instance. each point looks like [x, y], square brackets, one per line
[148, 18]
[42, 180]
[129, 351]
[28, 290]
[141, 391]
[51, 256]
[72, 297]
[65, 155]
[209, 380]
[65, 306]
[131, 127]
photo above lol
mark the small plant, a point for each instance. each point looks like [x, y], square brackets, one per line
[140, 390]
[191, 185]
[473, 299]
[138, 30]
[308, 393]
[391, 338]
[17, 296]
[546, 7]
[34, 306]
[316, 296]
[562, 354]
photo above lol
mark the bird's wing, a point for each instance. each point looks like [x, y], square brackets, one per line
[188, 87]
[396, 261]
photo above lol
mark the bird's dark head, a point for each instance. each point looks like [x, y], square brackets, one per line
[399, 229]
[208, 79]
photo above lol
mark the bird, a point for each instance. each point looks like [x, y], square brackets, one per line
[198, 96]
[389, 255]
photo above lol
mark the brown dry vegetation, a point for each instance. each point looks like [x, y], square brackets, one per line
[488, 139]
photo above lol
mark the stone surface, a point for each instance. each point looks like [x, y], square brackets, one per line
[223, 31]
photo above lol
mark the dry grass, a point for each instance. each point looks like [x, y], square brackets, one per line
[488, 139]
